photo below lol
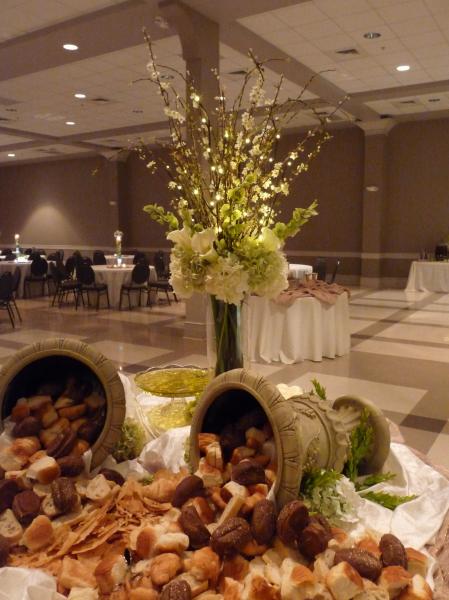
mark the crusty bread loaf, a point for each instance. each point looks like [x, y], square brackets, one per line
[394, 579]
[98, 489]
[110, 572]
[38, 534]
[10, 528]
[418, 589]
[25, 446]
[77, 593]
[75, 574]
[44, 470]
[417, 562]
[142, 593]
[73, 412]
[343, 581]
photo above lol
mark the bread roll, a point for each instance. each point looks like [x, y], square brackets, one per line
[25, 446]
[417, 562]
[9, 461]
[38, 534]
[36, 402]
[44, 470]
[73, 573]
[98, 489]
[418, 589]
[344, 582]
[77, 593]
[73, 412]
[10, 528]
[110, 572]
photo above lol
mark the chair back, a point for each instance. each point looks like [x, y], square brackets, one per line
[70, 265]
[9, 256]
[6, 287]
[61, 254]
[53, 256]
[16, 279]
[140, 273]
[85, 274]
[159, 264]
[6, 251]
[99, 257]
[320, 267]
[55, 272]
[139, 257]
[28, 251]
[39, 267]
[87, 261]
[441, 252]
[334, 274]
[33, 255]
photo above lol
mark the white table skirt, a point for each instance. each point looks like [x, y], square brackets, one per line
[25, 269]
[127, 259]
[306, 330]
[115, 277]
[296, 271]
[426, 276]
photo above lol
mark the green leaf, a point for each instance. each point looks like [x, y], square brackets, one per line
[162, 216]
[373, 479]
[318, 478]
[320, 390]
[390, 501]
[131, 442]
[360, 444]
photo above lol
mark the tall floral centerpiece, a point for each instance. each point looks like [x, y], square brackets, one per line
[228, 181]
[118, 236]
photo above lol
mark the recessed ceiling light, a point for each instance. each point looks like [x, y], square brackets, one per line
[371, 35]
[403, 68]
[11, 154]
[80, 95]
[70, 122]
[70, 47]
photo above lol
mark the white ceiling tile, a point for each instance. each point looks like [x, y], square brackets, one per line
[423, 40]
[334, 42]
[396, 58]
[368, 20]
[262, 23]
[314, 31]
[379, 83]
[413, 76]
[414, 26]
[393, 46]
[299, 14]
[298, 48]
[431, 51]
[395, 12]
[342, 7]
[437, 6]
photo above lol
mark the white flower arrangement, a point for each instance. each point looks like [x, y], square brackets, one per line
[227, 183]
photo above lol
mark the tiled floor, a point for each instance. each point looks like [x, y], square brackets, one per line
[399, 358]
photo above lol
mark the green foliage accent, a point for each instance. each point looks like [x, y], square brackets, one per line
[162, 216]
[147, 479]
[320, 390]
[131, 442]
[390, 501]
[360, 444]
[373, 479]
[318, 478]
[299, 218]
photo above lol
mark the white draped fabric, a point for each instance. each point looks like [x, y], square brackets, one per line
[296, 271]
[127, 259]
[306, 330]
[427, 276]
[115, 277]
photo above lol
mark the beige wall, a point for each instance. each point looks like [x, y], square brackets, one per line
[61, 203]
[58, 203]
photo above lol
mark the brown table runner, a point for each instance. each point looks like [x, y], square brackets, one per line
[322, 291]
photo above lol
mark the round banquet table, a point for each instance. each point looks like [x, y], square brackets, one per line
[25, 269]
[296, 271]
[428, 276]
[115, 277]
[306, 330]
[127, 259]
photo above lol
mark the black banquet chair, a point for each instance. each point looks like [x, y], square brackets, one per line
[140, 257]
[99, 257]
[335, 271]
[139, 281]
[86, 278]
[320, 267]
[162, 283]
[63, 286]
[6, 295]
[39, 268]
[16, 276]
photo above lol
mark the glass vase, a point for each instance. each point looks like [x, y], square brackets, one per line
[226, 336]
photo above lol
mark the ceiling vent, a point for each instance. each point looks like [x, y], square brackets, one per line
[100, 100]
[434, 100]
[348, 52]
[5, 119]
[237, 72]
[48, 151]
[407, 102]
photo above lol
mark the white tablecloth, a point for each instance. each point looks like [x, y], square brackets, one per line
[115, 277]
[426, 276]
[25, 269]
[127, 259]
[296, 271]
[306, 330]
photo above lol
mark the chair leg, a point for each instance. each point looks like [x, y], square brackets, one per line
[175, 297]
[107, 297]
[168, 297]
[129, 300]
[121, 298]
[98, 299]
[55, 294]
[10, 313]
[17, 309]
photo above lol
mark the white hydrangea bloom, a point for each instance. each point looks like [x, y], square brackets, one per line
[227, 280]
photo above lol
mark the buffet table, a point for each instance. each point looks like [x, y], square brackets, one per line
[428, 276]
[115, 277]
[308, 329]
[296, 271]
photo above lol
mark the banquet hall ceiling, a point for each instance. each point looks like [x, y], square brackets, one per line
[38, 79]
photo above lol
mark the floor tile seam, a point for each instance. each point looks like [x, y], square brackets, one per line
[399, 340]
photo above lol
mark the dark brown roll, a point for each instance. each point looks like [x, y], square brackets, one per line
[189, 487]
[29, 426]
[263, 521]
[26, 506]
[366, 564]
[193, 527]
[291, 521]
[8, 491]
[230, 537]
[178, 589]
[248, 472]
[393, 552]
[112, 475]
